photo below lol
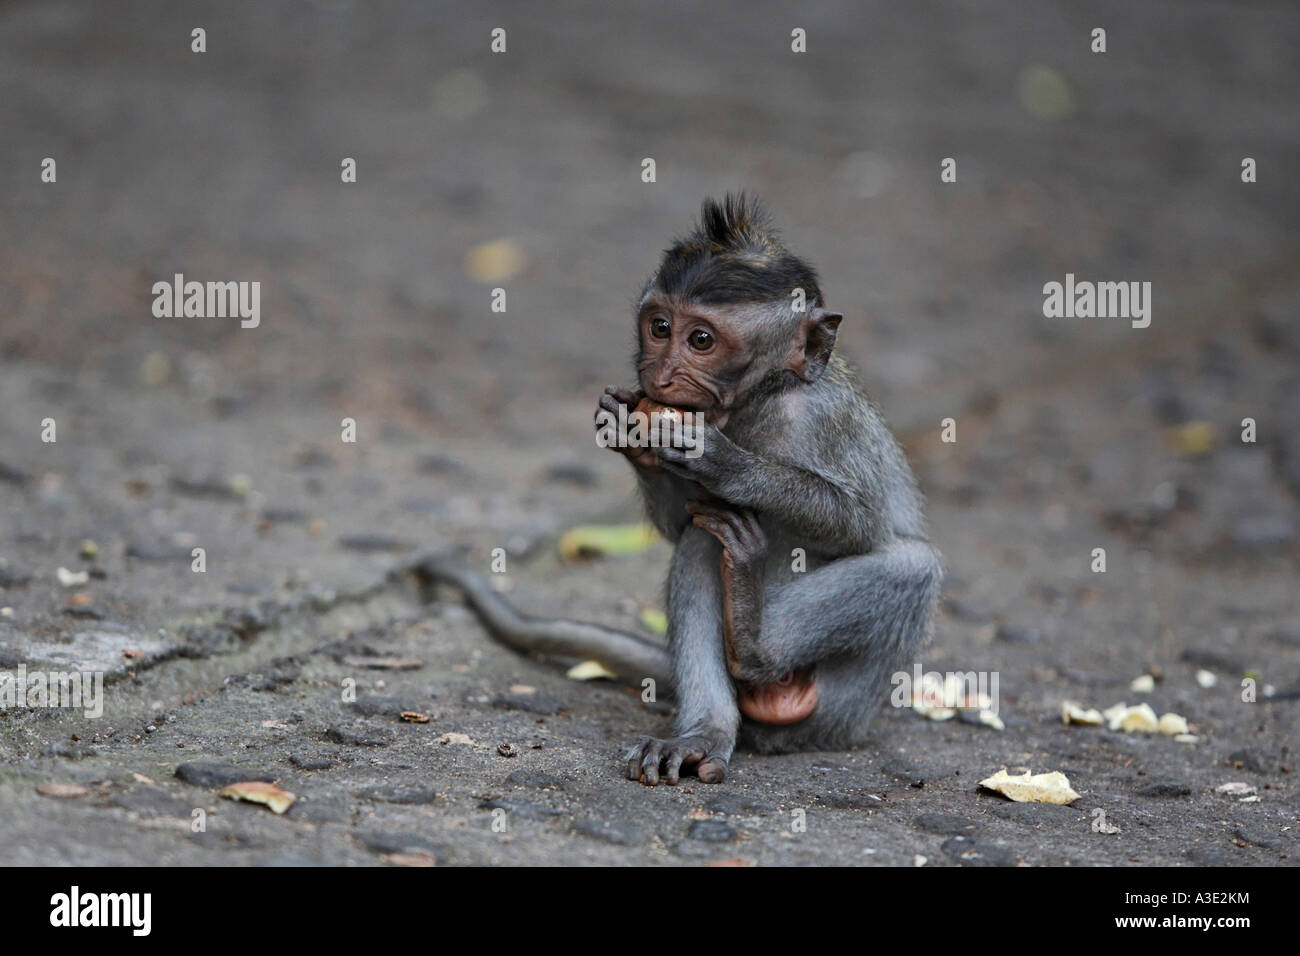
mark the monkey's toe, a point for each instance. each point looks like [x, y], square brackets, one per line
[652, 759]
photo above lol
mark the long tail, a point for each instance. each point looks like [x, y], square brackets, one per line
[633, 658]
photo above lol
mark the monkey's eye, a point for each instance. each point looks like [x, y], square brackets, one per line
[660, 328]
[701, 340]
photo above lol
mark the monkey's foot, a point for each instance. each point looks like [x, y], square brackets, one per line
[788, 701]
[675, 756]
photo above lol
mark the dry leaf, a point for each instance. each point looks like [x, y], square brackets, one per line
[61, 790]
[255, 791]
[654, 620]
[592, 540]
[1051, 787]
[415, 717]
[410, 859]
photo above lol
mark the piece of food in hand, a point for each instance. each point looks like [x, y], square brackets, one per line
[650, 408]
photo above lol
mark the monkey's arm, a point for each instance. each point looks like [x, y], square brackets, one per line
[832, 516]
[665, 496]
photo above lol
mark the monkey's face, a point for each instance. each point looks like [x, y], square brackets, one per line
[692, 356]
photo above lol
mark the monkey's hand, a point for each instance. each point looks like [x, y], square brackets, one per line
[706, 456]
[703, 755]
[609, 434]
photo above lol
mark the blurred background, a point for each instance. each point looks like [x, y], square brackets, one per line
[522, 170]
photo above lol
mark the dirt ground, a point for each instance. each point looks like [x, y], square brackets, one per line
[522, 170]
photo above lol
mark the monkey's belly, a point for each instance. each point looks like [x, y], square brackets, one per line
[788, 701]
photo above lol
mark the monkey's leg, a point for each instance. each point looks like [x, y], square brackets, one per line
[707, 718]
[876, 607]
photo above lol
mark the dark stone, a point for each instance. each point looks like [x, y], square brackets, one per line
[969, 851]
[539, 704]
[204, 488]
[1036, 814]
[152, 802]
[572, 474]
[319, 811]
[732, 805]
[438, 464]
[13, 475]
[372, 543]
[161, 551]
[305, 762]
[619, 832]
[1212, 856]
[1162, 789]
[375, 705]
[712, 831]
[968, 609]
[1263, 533]
[1258, 837]
[944, 824]
[11, 577]
[1014, 634]
[400, 843]
[84, 613]
[1209, 660]
[528, 810]
[399, 794]
[1252, 760]
[218, 775]
[1287, 634]
[849, 800]
[285, 515]
[538, 779]
[337, 735]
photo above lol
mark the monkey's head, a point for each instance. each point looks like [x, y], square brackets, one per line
[730, 313]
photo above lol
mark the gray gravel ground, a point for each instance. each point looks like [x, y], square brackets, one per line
[475, 427]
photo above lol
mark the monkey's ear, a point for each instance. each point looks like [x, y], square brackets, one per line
[813, 343]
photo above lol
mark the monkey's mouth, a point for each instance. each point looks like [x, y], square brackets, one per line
[788, 701]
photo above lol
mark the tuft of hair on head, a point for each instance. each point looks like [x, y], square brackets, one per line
[734, 255]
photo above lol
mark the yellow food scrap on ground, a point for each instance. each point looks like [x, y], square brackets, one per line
[1074, 713]
[1051, 787]
[590, 670]
[1193, 438]
[1143, 685]
[1173, 724]
[1140, 719]
[255, 791]
[495, 261]
[593, 540]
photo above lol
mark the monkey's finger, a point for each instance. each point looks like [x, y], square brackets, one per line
[711, 770]
[673, 767]
[712, 507]
[650, 765]
[719, 529]
[608, 403]
[625, 395]
[633, 759]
